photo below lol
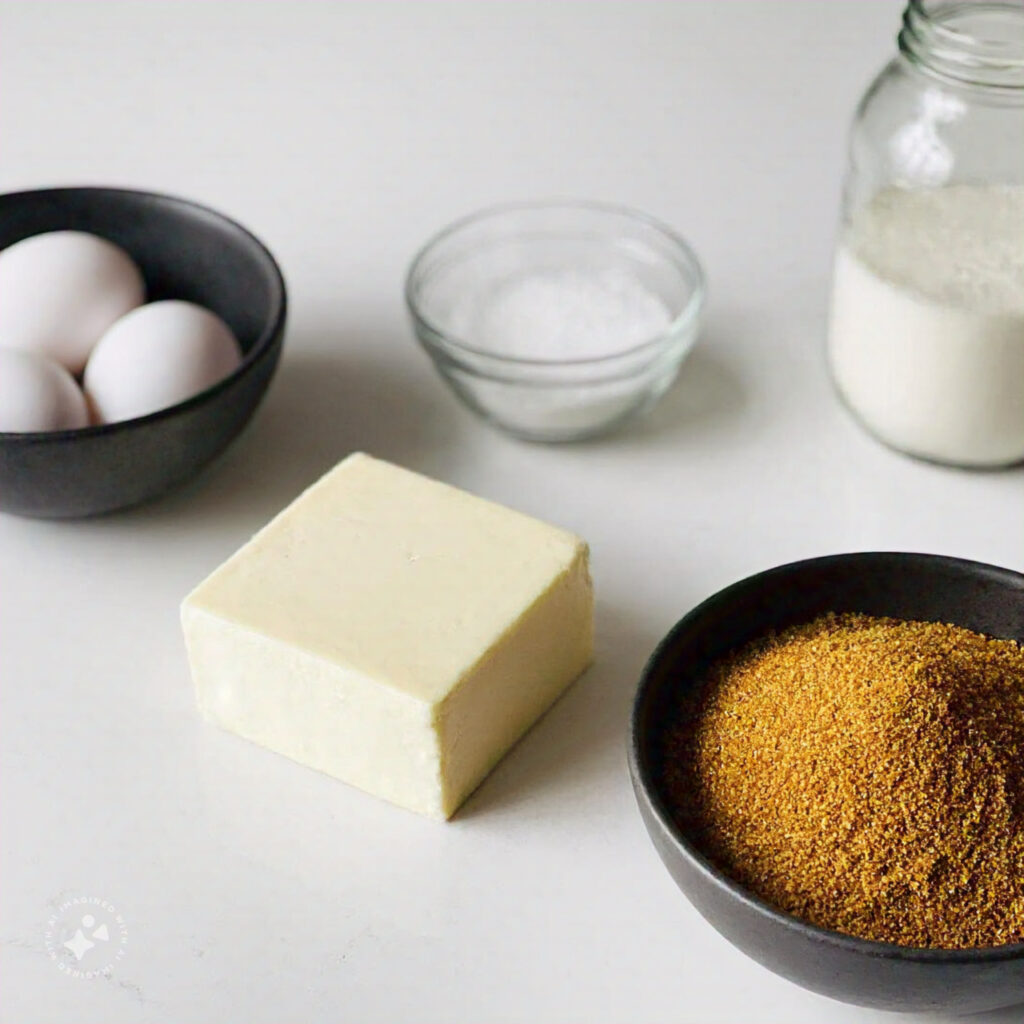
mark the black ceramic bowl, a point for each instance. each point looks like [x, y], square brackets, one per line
[927, 587]
[185, 251]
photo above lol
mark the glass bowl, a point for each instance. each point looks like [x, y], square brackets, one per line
[556, 321]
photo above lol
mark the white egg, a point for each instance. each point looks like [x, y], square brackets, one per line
[156, 356]
[61, 290]
[38, 394]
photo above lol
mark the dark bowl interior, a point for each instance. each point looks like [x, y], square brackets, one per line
[185, 251]
[927, 587]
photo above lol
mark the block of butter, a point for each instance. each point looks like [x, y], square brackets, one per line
[392, 631]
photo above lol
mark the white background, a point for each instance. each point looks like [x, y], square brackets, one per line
[258, 891]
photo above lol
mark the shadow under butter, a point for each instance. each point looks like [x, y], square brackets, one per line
[569, 756]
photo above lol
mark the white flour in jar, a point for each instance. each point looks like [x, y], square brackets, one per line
[926, 338]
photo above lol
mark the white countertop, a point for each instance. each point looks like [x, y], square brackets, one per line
[254, 890]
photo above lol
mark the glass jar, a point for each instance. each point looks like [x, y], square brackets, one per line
[926, 333]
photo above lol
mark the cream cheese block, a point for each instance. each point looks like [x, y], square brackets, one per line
[393, 632]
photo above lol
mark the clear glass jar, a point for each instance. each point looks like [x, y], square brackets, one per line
[926, 333]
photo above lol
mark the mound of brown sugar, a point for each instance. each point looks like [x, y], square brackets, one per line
[866, 775]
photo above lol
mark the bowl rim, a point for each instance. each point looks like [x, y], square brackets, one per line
[264, 343]
[639, 768]
[685, 320]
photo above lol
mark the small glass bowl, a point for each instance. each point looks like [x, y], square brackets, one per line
[557, 398]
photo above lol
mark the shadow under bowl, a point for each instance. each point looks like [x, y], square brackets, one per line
[185, 251]
[980, 597]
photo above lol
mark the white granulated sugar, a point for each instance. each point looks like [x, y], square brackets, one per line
[927, 327]
[561, 315]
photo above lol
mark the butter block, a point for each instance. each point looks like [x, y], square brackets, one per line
[393, 632]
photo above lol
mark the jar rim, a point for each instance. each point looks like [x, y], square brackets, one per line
[959, 40]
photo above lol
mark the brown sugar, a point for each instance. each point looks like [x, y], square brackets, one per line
[866, 775]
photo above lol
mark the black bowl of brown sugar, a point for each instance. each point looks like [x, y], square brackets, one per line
[829, 758]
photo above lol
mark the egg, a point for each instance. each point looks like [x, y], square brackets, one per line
[61, 290]
[38, 394]
[156, 356]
